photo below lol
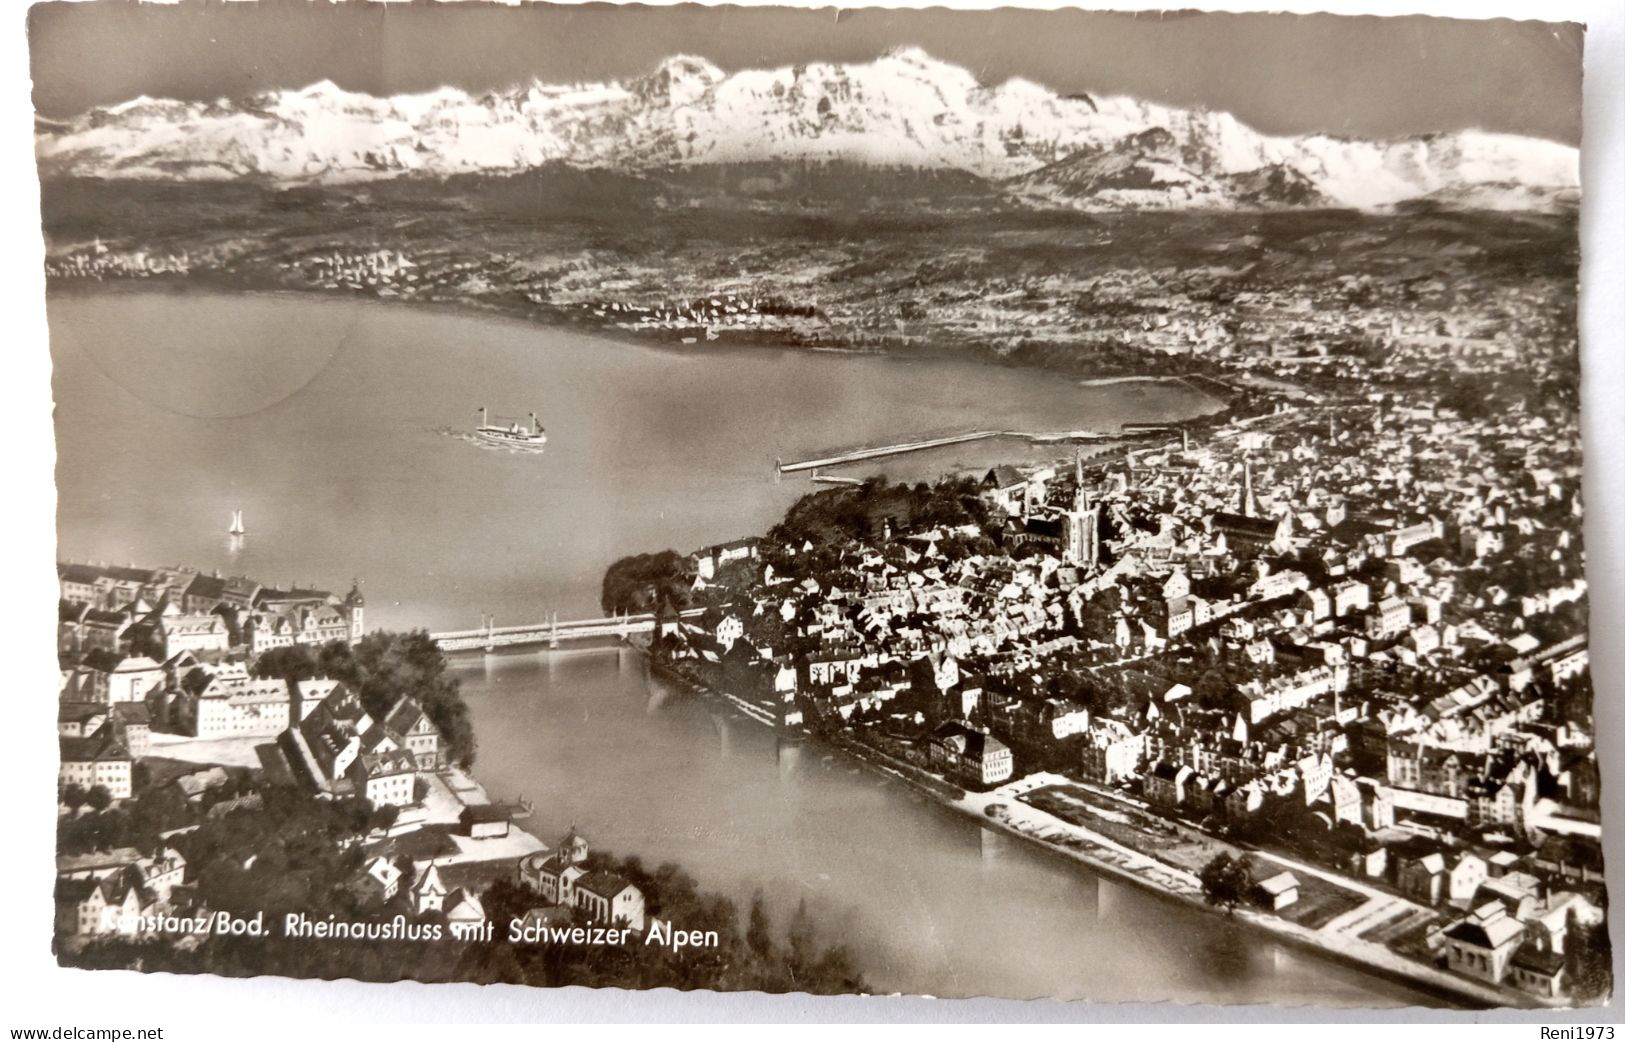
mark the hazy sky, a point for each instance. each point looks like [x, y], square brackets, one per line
[1364, 77]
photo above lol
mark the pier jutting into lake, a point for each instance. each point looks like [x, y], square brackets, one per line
[880, 451]
[877, 452]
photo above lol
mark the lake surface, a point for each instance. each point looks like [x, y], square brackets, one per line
[322, 420]
[325, 422]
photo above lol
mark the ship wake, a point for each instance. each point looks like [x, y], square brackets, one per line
[490, 446]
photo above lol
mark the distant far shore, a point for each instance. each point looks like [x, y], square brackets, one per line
[1083, 370]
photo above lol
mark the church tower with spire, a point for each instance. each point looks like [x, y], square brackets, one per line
[1080, 531]
[355, 607]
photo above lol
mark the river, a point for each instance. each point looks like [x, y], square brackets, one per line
[325, 421]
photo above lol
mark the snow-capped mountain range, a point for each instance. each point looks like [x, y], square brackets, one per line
[904, 109]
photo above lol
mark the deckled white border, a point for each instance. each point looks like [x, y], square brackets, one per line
[36, 992]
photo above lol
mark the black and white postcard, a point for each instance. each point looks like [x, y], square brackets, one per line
[972, 503]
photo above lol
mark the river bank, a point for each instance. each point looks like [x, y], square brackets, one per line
[1125, 864]
[1001, 809]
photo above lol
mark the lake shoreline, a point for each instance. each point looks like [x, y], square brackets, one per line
[435, 364]
[455, 586]
[1221, 397]
[741, 340]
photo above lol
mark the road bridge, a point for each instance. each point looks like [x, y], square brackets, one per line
[551, 631]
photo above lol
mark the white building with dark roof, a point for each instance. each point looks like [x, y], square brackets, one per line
[609, 898]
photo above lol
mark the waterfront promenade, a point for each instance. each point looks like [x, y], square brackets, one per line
[1338, 939]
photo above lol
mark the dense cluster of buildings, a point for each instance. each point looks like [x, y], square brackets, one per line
[315, 736]
[166, 611]
[1357, 631]
[326, 745]
[577, 287]
[171, 651]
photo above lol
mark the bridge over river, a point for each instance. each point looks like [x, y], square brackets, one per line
[550, 631]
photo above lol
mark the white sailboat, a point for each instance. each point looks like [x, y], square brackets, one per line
[236, 527]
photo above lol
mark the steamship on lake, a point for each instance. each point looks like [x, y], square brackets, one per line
[510, 433]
